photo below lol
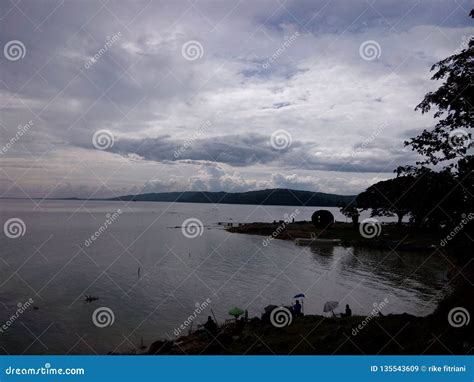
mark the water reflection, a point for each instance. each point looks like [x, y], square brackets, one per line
[323, 255]
[176, 272]
[420, 272]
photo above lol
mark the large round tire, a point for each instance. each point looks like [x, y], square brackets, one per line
[322, 219]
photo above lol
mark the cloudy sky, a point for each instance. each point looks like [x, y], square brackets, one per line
[103, 98]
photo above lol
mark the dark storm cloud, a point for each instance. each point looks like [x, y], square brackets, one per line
[256, 149]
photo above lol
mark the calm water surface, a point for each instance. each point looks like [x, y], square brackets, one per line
[52, 265]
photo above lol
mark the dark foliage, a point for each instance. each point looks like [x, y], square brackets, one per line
[451, 138]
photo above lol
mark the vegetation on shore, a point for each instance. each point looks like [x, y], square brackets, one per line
[403, 237]
[314, 334]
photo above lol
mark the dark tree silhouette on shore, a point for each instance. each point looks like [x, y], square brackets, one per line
[351, 211]
[454, 105]
[441, 196]
[389, 197]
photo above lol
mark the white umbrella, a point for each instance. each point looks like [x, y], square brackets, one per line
[330, 306]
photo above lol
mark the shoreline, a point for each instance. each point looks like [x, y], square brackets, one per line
[394, 334]
[391, 236]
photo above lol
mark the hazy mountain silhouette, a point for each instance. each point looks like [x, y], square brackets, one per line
[278, 196]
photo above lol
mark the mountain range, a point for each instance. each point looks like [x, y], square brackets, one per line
[277, 196]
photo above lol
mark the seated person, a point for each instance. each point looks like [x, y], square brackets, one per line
[348, 312]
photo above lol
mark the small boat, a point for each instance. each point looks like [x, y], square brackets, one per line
[309, 241]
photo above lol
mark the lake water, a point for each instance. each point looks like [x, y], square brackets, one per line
[52, 265]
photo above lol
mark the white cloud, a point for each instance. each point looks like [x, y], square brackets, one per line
[319, 89]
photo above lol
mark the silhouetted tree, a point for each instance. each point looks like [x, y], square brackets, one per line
[443, 198]
[351, 211]
[453, 101]
[389, 197]
[438, 199]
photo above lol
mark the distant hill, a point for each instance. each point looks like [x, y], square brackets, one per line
[277, 196]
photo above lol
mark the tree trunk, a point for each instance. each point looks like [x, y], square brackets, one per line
[400, 218]
[355, 221]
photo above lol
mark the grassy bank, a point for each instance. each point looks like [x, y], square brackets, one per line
[391, 334]
[371, 334]
[391, 235]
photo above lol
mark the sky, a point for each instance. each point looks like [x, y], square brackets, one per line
[106, 98]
